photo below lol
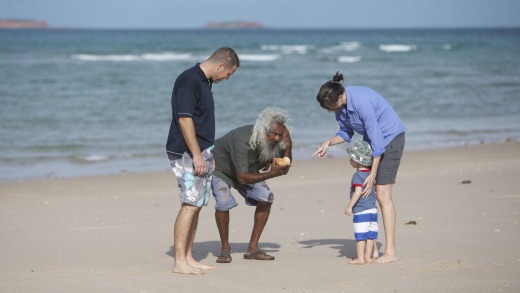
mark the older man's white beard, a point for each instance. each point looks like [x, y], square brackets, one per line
[267, 151]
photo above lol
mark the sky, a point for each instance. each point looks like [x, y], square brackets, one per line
[180, 14]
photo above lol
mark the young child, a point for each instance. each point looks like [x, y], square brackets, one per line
[363, 208]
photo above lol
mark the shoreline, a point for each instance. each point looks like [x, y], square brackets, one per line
[114, 233]
[151, 165]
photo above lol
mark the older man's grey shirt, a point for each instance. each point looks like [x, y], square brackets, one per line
[233, 154]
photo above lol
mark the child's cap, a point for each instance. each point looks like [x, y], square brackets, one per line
[361, 152]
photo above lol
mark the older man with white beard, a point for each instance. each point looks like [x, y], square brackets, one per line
[244, 159]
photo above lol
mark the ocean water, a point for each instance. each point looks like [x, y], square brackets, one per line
[93, 102]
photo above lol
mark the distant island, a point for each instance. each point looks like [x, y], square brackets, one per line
[233, 25]
[22, 24]
[41, 24]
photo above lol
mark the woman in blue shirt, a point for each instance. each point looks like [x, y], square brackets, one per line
[362, 110]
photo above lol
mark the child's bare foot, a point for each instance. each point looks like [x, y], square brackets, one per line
[356, 261]
[386, 259]
[186, 269]
[375, 255]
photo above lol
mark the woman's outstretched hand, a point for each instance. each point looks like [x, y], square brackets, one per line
[322, 151]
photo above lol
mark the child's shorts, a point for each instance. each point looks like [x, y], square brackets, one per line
[365, 225]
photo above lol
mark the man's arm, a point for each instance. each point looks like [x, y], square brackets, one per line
[252, 178]
[188, 131]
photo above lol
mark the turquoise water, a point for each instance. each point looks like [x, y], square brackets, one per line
[86, 102]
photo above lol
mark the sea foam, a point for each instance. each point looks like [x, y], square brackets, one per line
[349, 59]
[259, 57]
[391, 48]
[343, 46]
[129, 57]
[287, 49]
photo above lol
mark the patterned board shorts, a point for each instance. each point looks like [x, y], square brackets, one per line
[193, 190]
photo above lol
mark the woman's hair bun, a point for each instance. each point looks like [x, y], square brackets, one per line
[338, 77]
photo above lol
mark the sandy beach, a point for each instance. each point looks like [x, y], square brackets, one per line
[114, 233]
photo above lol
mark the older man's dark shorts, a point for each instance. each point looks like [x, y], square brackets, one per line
[390, 160]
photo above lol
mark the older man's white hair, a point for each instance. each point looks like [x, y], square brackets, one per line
[266, 120]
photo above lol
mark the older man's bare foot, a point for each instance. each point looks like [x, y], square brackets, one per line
[356, 261]
[386, 259]
[200, 266]
[186, 269]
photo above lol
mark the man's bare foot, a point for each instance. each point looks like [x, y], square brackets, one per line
[375, 255]
[200, 266]
[356, 261]
[186, 269]
[386, 259]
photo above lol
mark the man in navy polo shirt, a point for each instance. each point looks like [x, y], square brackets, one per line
[189, 144]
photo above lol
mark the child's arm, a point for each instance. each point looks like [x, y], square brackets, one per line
[353, 200]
